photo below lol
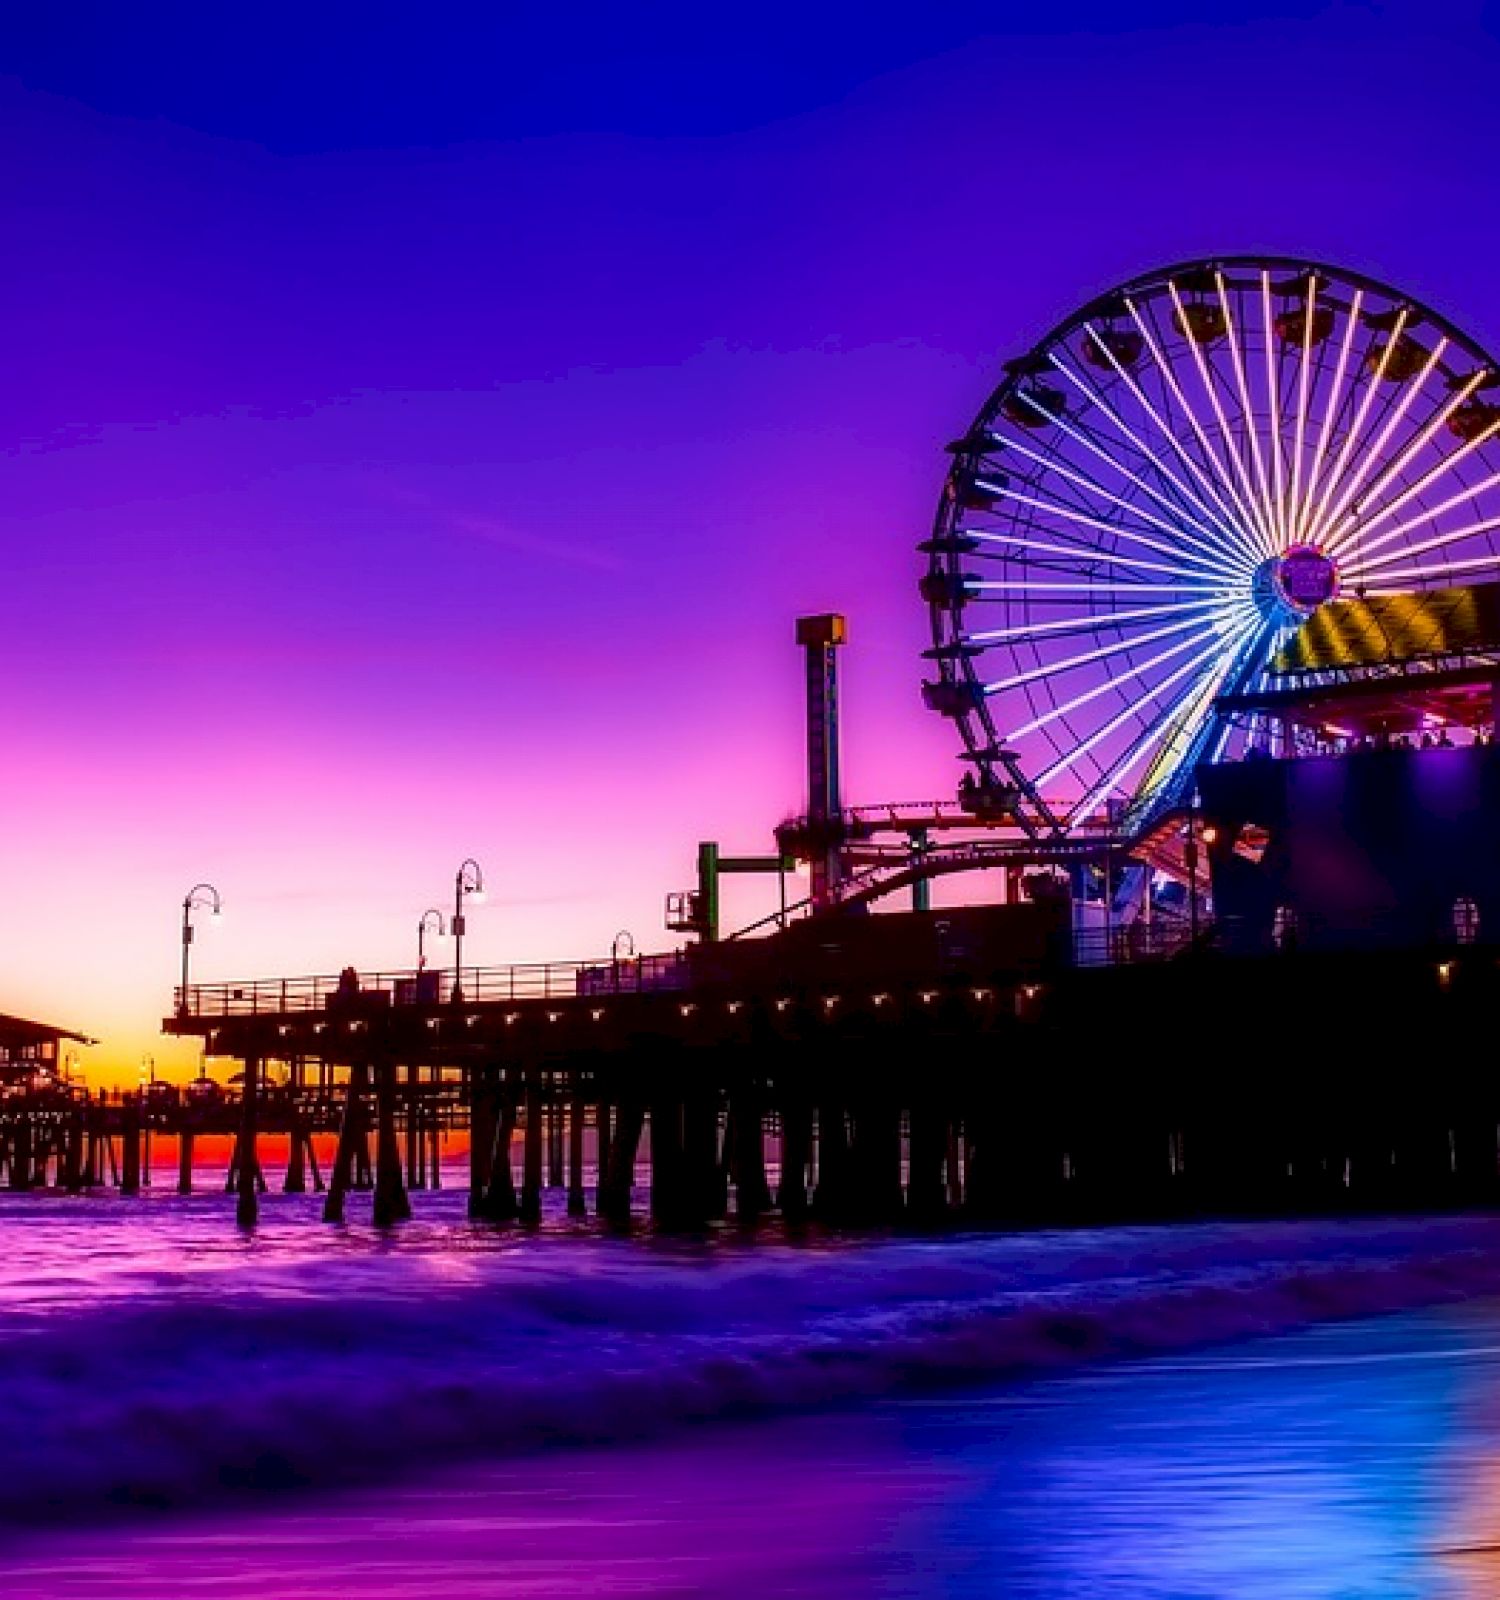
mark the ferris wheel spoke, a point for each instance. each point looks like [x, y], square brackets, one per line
[1186, 711]
[1359, 528]
[1046, 718]
[1422, 574]
[1335, 475]
[1241, 517]
[1241, 378]
[1087, 622]
[1365, 549]
[1085, 556]
[1053, 508]
[1299, 432]
[1213, 544]
[1224, 519]
[1194, 572]
[1084, 438]
[1326, 526]
[999, 584]
[1273, 396]
[1051, 669]
[1136, 709]
[1331, 409]
[1083, 480]
[1231, 446]
[1450, 536]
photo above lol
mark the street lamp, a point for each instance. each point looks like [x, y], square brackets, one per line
[621, 950]
[201, 894]
[468, 882]
[431, 919]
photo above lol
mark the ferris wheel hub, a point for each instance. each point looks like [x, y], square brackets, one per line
[1302, 579]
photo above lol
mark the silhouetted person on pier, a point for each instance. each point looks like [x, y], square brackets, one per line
[348, 987]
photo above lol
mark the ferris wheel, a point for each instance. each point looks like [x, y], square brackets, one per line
[1163, 491]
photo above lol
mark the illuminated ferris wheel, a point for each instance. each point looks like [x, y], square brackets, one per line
[1163, 491]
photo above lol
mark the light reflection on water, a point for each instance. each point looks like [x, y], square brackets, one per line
[1354, 1460]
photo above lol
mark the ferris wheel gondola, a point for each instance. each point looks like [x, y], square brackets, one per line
[1165, 489]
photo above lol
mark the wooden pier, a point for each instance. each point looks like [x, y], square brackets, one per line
[968, 1066]
[960, 1067]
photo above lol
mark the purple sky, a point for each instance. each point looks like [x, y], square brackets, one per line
[380, 492]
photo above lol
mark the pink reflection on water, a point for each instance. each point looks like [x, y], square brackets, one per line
[719, 1514]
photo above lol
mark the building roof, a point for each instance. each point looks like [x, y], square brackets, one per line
[19, 1031]
[1390, 629]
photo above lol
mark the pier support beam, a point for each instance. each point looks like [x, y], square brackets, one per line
[876, 1161]
[577, 1107]
[301, 1159]
[556, 1145]
[617, 1179]
[247, 1204]
[752, 1194]
[295, 1181]
[832, 1198]
[926, 1195]
[351, 1142]
[796, 1158]
[391, 1202]
[534, 1148]
[484, 1117]
[72, 1175]
[130, 1148]
[20, 1152]
[500, 1204]
[667, 1161]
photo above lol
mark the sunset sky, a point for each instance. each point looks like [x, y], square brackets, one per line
[419, 447]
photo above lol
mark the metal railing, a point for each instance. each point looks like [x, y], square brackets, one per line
[551, 980]
[902, 816]
[1135, 942]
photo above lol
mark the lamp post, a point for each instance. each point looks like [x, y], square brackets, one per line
[431, 919]
[468, 882]
[201, 894]
[622, 949]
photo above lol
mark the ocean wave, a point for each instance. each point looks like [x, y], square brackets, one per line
[175, 1398]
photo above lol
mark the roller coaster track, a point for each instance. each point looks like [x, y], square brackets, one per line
[894, 867]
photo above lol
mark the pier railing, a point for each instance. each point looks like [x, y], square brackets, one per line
[1136, 942]
[566, 980]
[433, 987]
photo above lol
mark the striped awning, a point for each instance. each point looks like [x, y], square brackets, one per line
[1381, 630]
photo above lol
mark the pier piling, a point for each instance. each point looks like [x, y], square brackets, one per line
[247, 1204]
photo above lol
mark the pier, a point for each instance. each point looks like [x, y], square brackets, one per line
[985, 1066]
[979, 1067]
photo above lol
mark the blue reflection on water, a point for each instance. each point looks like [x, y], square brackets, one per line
[1350, 1461]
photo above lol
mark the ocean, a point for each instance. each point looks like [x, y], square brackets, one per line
[456, 1410]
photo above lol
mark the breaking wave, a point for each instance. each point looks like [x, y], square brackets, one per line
[332, 1367]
